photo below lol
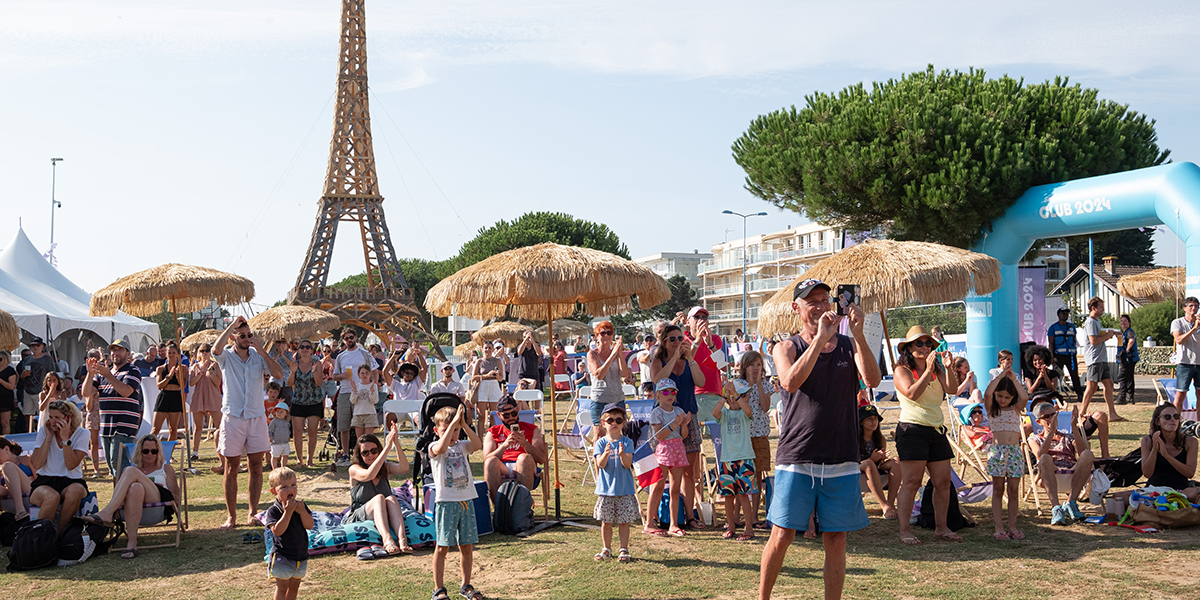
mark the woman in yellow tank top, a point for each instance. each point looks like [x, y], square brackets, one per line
[921, 445]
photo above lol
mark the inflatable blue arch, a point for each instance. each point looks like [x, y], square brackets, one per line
[1166, 195]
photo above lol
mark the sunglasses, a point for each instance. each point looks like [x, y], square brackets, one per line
[924, 343]
[242, 336]
[669, 392]
[614, 421]
[205, 351]
[1170, 417]
[149, 450]
[371, 451]
[509, 413]
[675, 338]
[605, 333]
[305, 347]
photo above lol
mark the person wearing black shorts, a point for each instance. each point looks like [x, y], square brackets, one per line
[8, 386]
[308, 401]
[922, 380]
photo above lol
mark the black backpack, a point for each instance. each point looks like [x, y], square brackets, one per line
[35, 546]
[8, 528]
[514, 509]
[1125, 471]
[954, 516]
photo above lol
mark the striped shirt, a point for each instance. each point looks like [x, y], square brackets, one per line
[120, 415]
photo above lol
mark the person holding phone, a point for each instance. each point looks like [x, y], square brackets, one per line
[512, 448]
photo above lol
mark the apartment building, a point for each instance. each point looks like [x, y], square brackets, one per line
[670, 264]
[772, 261]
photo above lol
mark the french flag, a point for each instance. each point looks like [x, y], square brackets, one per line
[645, 466]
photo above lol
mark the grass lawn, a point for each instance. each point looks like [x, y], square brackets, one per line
[1079, 561]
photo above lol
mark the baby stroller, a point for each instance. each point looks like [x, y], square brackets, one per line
[421, 470]
[333, 440]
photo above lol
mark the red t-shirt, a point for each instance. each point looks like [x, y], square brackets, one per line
[712, 375]
[500, 433]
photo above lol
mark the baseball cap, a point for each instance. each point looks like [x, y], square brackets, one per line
[122, 343]
[807, 286]
[665, 384]
[868, 410]
[37, 341]
[697, 310]
[448, 366]
[741, 386]
[1063, 309]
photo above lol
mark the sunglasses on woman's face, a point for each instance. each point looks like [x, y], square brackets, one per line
[305, 347]
[1170, 416]
[924, 344]
[675, 338]
[371, 451]
[149, 450]
[605, 333]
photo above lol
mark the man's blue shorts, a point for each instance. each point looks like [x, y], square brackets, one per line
[1185, 376]
[837, 500]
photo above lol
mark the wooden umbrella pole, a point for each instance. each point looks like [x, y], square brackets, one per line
[554, 419]
[187, 423]
[887, 340]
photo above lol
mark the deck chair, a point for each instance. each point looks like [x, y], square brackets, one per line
[406, 408]
[964, 453]
[575, 441]
[1064, 479]
[581, 392]
[710, 477]
[970, 493]
[1166, 390]
[532, 417]
[154, 514]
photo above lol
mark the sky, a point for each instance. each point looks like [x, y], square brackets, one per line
[198, 133]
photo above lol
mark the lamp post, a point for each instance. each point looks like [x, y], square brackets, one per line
[53, 203]
[744, 217]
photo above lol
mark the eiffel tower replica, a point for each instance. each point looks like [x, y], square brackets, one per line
[351, 194]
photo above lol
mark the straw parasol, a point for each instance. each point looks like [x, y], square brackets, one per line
[565, 327]
[10, 334]
[192, 342]
[293, 322]
[466, 350]
[545, 282]
[890, 274]
[1154, 286]
[509, 332]
[188, 288]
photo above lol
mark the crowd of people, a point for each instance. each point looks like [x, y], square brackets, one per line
[830, 437]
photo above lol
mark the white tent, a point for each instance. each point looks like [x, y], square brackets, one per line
[47, 304]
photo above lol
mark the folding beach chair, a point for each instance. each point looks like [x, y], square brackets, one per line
[575, 441]
[1065, 425]
[964, 453]
[710, 476]
[154, 514]
[1166, 390]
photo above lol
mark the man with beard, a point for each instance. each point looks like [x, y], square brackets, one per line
[351, 357]
[243, 427]
[119, 391]
[512, 448]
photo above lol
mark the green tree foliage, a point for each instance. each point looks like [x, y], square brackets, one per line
[534, 228]
[952, 318]
[639, 320]
[1154, 320]
[1132, 248]
[937, 156]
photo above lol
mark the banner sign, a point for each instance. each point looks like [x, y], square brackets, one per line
[1032, 310]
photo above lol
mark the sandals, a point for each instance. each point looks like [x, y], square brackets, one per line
[440, 594]
[624, 556]
[92, 519]
[1001, 535]
[1016, 535]
[603, 554]
[727, 534]
[677, 533]
[655, 531]
[910, 540]
[469, 592]
[694, 524]
[762, 526]
[949, 537]
[745, 537]
[129, 553]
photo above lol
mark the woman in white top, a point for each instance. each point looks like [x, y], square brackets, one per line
[58, 454]
[149, 481]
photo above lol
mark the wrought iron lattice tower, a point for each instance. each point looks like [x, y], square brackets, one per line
[352, 195]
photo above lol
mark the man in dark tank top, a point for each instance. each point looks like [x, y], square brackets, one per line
[817, 459]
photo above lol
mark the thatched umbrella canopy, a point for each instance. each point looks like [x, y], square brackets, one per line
[509, 332]
[890, 274]
[188, 288]
[290, 322]
[10, 334]
[546, 282]
[565, 327]
[193, 342]
[1154, 286]
[466, 350]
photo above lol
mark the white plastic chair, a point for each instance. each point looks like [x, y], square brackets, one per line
[628, 390]
[533, 397]
[409, 408]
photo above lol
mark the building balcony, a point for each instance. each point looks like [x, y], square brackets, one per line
[722, 290]
[735, 314]
[762, 258]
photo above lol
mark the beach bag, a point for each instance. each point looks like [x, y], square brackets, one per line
[35, 546]
[664, 510]
[514, 509]
[1125, 471]
[1186, 516]
[954, 516]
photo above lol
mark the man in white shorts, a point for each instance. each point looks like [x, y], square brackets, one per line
[244, 422]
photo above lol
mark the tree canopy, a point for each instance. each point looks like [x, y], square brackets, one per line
[937, 156]
[1132, 248]
[530, 229]
[638, 320]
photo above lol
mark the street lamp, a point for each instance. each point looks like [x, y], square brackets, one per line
[744, 217]
[53, 203]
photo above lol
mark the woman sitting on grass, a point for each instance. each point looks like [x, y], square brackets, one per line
[1168, 456]
[371, 497]
[150, 480]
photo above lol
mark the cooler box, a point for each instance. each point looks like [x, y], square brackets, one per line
[483, 506]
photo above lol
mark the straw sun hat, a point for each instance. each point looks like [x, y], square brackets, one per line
[915, 333]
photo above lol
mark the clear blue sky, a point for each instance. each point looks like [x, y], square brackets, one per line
[186, 126]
